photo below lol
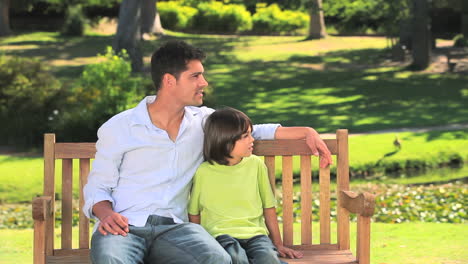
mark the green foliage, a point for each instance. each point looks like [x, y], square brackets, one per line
[272, 19]
[440, 204]
[358, 16]
[217, 17]
[175, 16]
[27, 92]
[75, 21]
[460, 41]
[104, 89]
[399, 203]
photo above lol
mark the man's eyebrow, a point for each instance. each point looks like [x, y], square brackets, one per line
[196, 73]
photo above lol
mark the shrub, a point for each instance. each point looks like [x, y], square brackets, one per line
[27, 96]
[75, 21]
[103, 90]
[219, 18]
[272, 19]
[460, 41]
[174, 16]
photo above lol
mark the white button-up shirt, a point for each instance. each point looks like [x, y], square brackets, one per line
[141, 171]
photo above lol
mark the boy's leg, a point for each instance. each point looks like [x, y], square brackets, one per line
[234, 249]
[185, 243]
[117, 249]
[261, 250]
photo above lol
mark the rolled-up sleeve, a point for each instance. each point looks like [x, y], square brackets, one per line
[104, 174]
[265, 131]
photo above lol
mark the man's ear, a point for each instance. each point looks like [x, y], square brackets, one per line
[169, 79]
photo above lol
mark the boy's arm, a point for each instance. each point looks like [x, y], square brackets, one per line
[272, 224]
[194, 218]
[313, 140]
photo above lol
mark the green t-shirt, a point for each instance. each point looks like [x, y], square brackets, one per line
[230, 199]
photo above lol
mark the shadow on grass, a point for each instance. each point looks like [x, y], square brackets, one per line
[338, 89]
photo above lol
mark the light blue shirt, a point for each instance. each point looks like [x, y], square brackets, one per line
[141, 171]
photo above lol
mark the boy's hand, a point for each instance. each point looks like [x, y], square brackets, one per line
[286, 252]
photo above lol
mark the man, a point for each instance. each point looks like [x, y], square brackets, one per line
[146, 157]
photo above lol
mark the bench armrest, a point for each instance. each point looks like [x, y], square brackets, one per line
[362, 204]
[41, 208]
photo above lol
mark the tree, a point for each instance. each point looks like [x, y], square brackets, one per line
[317, 23]
[464, 26]
[128, 34]
[150, 20]
[421, 40]
[4, 18]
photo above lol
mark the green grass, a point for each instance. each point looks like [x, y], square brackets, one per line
[337, 82]
[408, 243]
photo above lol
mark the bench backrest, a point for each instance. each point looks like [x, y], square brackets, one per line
[84, 152]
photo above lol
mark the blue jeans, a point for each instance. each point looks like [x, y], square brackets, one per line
[255, 250]
[159, 241]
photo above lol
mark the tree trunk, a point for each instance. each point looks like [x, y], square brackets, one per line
[150, 20]
[4, 18]
[464, 19]
[421, 35]
[317, 22]
[128, 32]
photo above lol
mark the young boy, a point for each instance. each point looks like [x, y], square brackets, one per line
[231, 195]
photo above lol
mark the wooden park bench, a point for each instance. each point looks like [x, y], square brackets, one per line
[325, 252]
[453, 57]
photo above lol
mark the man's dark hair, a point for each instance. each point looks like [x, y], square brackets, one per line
[173, 57]
[222, 129]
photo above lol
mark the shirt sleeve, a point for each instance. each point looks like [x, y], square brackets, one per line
[265, 131]
[266, 193]
[194, 203]
[104, 174]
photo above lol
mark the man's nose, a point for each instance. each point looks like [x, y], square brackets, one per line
[203, 82]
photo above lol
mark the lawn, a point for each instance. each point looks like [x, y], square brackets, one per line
[409, 243]
[337, 82]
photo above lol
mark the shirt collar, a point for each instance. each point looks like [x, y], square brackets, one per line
[140, 115]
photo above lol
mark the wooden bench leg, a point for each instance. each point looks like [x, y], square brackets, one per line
[363, 240]
[41, 212]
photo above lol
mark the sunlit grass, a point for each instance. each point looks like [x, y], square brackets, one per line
[408, 243]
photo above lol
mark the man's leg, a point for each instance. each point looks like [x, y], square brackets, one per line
[234, 249]
[261, 250]
[117, 249]
[185, 243]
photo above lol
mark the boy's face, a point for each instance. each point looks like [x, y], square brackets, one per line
[243, 146]
[190, 85]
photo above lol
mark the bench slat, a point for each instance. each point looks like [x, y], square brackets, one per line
[306, 200]
[288, 147]
[67, 199]
[270, 163]
[324, 182]
[49, 190]
[342, 185]
[83, 221]
[288, 211]
[75, 150]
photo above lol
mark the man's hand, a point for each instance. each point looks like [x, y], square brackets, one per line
[286, 252]
[114, 223]
[319, 148]
[110, 221]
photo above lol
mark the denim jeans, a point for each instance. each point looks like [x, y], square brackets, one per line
[255, 250]
[159, 241]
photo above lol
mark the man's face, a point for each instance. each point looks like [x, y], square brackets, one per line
[190, 85]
